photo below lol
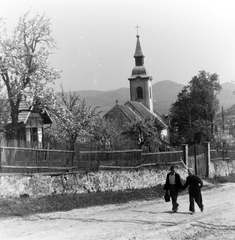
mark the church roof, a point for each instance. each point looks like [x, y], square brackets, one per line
[139, 69]
[136, 111]
[145, 113]
[130, 114]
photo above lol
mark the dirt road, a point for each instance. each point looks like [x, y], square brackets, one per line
[135, 220]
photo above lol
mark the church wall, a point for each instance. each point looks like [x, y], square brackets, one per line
[147, 99]
[150, 96]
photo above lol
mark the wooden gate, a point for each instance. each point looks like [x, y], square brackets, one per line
[197, 160]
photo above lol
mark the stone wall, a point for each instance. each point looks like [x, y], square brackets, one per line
[221, 168]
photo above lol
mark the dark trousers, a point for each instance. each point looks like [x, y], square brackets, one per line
[197, 197]
[174, 196]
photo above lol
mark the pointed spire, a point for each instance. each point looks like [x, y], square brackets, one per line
[139, 57]
[138, 50]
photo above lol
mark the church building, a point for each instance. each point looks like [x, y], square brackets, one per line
[140, 106]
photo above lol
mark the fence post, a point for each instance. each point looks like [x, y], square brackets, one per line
[185, 154]
[208, 157]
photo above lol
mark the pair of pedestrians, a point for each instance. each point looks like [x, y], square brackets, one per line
[174, 185]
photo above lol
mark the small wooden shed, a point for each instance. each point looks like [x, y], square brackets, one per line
[32, 121]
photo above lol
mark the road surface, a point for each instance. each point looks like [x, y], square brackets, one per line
[142, 220]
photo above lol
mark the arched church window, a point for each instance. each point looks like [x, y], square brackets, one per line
[139, 92]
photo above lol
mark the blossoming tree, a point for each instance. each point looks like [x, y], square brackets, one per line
[24, 67]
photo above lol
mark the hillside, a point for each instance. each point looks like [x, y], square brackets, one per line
[226, 96]
[229, 117]
[164, 94]
[105, 99]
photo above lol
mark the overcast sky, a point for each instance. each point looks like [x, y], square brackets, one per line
[96, 39]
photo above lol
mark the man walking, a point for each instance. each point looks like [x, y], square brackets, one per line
[195, 184]
[173, 185]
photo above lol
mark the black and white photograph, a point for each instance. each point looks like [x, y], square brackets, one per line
[117, 120]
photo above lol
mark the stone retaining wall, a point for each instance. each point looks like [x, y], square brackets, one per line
[221, 168]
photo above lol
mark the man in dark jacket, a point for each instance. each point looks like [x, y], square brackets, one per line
[173, 185]
[195, 184]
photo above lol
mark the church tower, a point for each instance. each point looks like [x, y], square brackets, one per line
[140, 81]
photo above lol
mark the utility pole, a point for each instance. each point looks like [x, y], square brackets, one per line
[223, 119]
[223, 131]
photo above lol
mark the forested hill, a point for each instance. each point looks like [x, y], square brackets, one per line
[164, 94]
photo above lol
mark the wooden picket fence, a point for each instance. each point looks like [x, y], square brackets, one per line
[51, 161]
[35, 160]
[122, 159]
[48, 161]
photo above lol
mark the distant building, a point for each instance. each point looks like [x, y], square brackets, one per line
[140, 106]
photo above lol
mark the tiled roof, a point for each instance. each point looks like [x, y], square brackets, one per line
[145, 113]
[128, 112]
[157, 113]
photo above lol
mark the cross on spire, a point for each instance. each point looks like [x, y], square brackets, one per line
[137, 29]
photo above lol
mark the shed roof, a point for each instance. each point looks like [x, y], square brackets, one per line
[25, 110]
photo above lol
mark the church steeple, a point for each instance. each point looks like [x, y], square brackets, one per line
[139, 57]
[140, 81]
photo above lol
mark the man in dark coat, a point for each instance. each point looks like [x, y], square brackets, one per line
[173, 185]
[195, 184]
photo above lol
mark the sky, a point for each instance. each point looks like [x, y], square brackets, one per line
[96, 39]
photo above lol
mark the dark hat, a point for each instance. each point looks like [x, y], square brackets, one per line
[172, 167]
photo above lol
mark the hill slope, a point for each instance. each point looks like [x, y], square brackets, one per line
[164, 94]
[226, 96]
